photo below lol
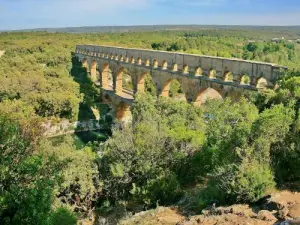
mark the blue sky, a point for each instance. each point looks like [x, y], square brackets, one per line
[23, 14]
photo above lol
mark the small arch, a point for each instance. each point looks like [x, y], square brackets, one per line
[139, 61]
[205, 94]
[212, 74]
[198, 71]
[147, 62]
[106, 55]
[95, 53]
[261, 83]
[121, 58]
[185, 69]
[155, 63]
[164, 65]
[127, 59]
[132, 60]
[116, 57]
[174, 67]
[111, 56]
[228, 76]
[99, 54]
[245, 80]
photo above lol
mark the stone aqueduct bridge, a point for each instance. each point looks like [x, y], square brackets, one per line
[201, 77]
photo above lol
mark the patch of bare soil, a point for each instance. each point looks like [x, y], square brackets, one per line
[1, 53]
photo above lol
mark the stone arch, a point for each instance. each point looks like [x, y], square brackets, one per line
[147, 62]
[174, 67]
[155, 63]
[261, 83]
[245, 79]
[206, 94]
[132, 60]
[118, 86]
[228, 76]
[185, 69]
[212, 73]
[105, 75]
[123, 113]
[198, 71]
[139, 61]
[127, 81]
[121, 58]
[94, 71]
[146, 84]
[173, 88]
[84, 63]
[164, 65]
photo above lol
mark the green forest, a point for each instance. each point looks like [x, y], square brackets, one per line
[172, 154]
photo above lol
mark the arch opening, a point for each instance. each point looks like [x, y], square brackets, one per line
[206, 94]
[173, 89]
[139, 61]
[84, 64]
[261, 83]
[106, 76]
[212, 74]
[147, 62]
[185, 69]
[145, 84]
[155, 63]
[127, 82]
[123, 113]
[198, 71]
[93, 70]
[228, 76]
[164, 65]
[245, 80]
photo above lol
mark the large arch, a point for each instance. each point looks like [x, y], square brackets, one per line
[123, 113]
[105, 75]
[173, 88]
[94, 71]
[206, 94]
[118, 85]
[84, 63]
[145, 84]
[127, 81]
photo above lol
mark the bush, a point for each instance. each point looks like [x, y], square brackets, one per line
[246, 183]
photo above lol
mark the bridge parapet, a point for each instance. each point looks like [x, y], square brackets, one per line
[225, 69]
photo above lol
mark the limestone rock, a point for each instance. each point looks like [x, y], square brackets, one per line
[266, 215]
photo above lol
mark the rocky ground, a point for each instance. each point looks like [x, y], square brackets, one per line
[282, 208]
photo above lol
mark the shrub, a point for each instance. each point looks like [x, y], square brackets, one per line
[246, 183]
